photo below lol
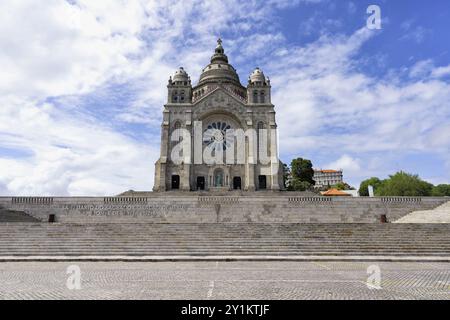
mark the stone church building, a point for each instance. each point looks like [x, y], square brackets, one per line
[219, 102]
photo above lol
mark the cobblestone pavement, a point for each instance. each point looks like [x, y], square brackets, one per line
[225, 280]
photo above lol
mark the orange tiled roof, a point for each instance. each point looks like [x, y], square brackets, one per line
[335, 192]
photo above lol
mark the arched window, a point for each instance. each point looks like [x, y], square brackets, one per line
[175, 96]
[255, 96]
[175, 132]
[260, 141]
[262, 97]
[260, 125]
[182, 96]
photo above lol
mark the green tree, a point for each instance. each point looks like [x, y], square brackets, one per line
[404, 184]
[441, 190]
[297, 185]
[301, 175]
[302, 170]
[363, 188]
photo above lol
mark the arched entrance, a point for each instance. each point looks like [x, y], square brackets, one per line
[237, 183]
[175, 182]
[200, 183]
[218, 178]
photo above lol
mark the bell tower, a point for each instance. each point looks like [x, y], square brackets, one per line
[179, 89]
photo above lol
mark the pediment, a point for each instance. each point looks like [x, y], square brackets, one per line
[220, 95]
[220, 100]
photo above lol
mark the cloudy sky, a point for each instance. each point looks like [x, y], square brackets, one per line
[82, 85]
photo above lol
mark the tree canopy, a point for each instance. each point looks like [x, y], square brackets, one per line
[302, 174]
[399, 184]
[302, 169]
[441, 190]
[364, 187]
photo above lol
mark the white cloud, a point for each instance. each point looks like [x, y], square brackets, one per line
[326, 104]
[72, 51]
[421, 68]
[418, 34]
[346, 163]
[69, 156]
[441, 72]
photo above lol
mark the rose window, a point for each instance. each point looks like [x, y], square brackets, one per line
[215, 135]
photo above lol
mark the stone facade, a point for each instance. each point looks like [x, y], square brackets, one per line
[213, 207]
[216, 105]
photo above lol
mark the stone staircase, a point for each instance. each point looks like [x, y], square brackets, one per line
[15, 216]
[103, 239]
[440, 214]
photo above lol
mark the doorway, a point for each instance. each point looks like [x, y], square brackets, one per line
[237, 183]
[218, 178]
[175, 182]
[262, 182]
[200, 183]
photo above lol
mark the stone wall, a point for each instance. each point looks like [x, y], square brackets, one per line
[270, 207]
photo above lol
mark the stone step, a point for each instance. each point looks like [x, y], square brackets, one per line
[222, 253]
[224, 239]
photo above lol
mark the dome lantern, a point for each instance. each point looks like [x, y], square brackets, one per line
[257, 76]
[219, 70]
[180, 75]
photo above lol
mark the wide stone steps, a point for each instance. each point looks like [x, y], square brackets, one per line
[440, 214]
[43, 239]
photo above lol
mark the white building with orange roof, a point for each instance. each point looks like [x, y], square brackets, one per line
[327, 177]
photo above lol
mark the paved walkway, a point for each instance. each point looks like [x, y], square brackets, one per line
[440, 214]
[225, 280]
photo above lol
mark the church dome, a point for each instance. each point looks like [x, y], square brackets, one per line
[219, 70]
[180, 75]
[257, 76]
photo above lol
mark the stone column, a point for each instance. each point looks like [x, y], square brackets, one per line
[250, 156]
[185, 177]
[274, 161]
[160, 166]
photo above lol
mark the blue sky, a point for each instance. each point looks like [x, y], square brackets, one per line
[83, 84]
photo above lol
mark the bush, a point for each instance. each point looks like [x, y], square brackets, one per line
[404, 184]
[441, 190]
[298, 185]
[364, 187]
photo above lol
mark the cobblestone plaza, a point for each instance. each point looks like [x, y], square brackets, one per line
[225, 280]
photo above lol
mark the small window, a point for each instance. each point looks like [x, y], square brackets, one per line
[260, 125]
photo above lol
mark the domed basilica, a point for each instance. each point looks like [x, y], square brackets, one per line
[198, 120]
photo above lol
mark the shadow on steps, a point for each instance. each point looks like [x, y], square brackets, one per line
[8, 216]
